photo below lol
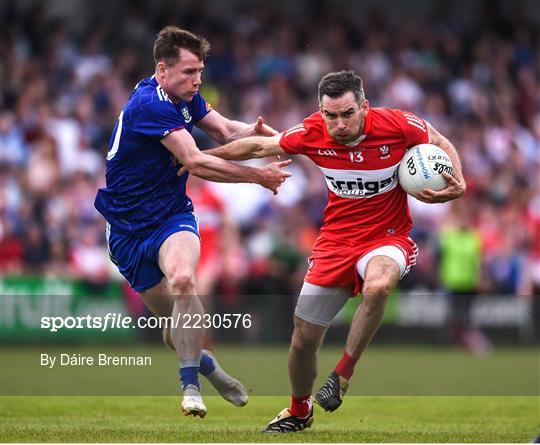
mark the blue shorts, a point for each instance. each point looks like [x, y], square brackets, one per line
[137, 258]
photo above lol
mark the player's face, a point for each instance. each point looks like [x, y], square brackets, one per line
[344, 116]
[182, 80]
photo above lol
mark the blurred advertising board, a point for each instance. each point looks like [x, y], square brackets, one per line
[27, 301]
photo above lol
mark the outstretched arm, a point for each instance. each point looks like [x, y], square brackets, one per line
[225, 130]
[456, 184]
[182, 145]
[249, 148]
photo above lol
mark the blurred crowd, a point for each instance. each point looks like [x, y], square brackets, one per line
[63, 85]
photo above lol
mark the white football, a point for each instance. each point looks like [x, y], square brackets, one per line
[422, 167]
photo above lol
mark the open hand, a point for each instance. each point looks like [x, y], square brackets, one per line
[273, 175]
[454, 189]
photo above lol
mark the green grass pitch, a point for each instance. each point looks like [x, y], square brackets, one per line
[360, 419]
[398, 394]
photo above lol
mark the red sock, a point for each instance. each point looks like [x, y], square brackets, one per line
[300, 406]
[345, 367]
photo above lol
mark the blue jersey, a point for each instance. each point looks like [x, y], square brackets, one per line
[143, 188]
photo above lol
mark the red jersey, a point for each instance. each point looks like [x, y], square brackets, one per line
[365, 202]
[210, 210]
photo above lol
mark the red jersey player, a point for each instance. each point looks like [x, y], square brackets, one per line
[212, 218]
[364, 244]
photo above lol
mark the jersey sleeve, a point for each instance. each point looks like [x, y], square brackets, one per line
[157, 120]
[200, 107]
[292, 140]
[414, 129]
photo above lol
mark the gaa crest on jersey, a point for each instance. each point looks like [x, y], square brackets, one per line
[384, 152]
[326, 152]
[187, 116]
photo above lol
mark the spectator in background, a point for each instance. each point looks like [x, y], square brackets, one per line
[219, 247]
[220, 235]
[461, 276]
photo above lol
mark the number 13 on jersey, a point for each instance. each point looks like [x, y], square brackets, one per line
[356, 156]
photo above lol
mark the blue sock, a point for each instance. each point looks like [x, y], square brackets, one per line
[189, 375]
[207, 364]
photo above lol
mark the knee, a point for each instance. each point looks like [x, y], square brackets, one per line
[182, 282]
[374, 295]
[304, 341]
[167, 339]
[376, 289]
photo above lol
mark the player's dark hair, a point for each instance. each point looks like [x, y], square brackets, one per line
[171, 38]
[337, 84]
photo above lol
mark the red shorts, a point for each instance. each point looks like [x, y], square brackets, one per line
[333, 264]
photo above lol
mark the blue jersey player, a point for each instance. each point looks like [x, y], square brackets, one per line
[152, 231]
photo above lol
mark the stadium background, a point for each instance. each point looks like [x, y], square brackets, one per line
[470, 68]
